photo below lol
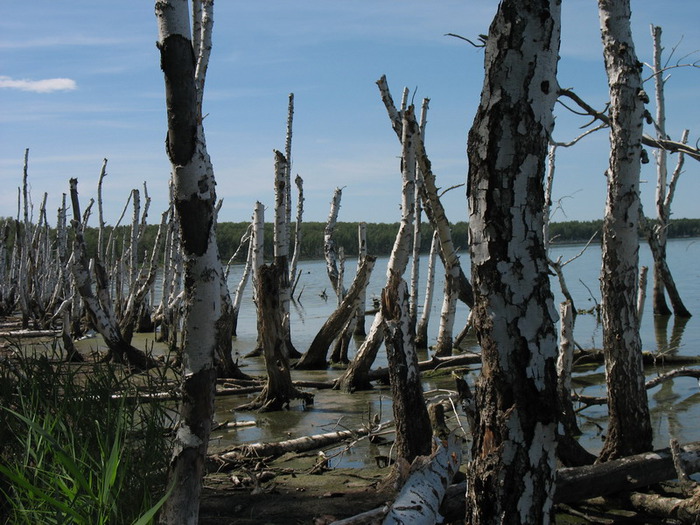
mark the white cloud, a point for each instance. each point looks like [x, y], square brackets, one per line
[39, 86]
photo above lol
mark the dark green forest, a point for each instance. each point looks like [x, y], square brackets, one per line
[380, 236]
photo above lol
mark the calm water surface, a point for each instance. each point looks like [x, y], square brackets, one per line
[675, 405]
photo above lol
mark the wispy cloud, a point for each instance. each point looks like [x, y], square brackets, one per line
[47, 85]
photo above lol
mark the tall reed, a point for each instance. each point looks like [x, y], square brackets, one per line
[78, 445]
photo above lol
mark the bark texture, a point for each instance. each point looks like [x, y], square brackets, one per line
[184, 61]
[629, 426]
[512, 472]
[279, 390]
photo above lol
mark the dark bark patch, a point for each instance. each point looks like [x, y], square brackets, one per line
[178, 64]
[196, 223]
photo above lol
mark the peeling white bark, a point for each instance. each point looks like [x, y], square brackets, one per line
[629, 427]
[512, 473]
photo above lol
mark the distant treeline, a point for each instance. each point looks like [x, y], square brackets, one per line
[380, 236]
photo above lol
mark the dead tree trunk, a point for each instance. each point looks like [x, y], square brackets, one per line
[629, 425]
[184, 57]
[513, 469]
[431, 200]
[413, 429]
[315, 357]
[361, 254]
[422, 326]
[98, 304]
[279, 390]
[281, 242]
[569, 450]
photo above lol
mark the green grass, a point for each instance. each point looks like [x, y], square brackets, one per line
[73, 449]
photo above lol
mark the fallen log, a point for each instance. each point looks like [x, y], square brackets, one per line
[22, 334]
[420, 497]
[602, 479]
[648, 358]
[302, 444]
[432, 364]
[679, 372]
[683, 510]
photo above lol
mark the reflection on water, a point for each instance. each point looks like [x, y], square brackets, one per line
[665, 344]
[674, 405]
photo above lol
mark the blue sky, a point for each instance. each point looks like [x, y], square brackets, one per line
[80, 81]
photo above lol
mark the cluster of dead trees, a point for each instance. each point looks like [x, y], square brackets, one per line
[523, 392]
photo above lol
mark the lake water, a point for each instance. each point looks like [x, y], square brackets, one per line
[674, 405]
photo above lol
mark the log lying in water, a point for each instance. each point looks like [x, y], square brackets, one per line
[302, 444]
[602, 479]
[432, 364]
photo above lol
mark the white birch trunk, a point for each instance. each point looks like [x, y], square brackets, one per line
[658, 297]
[195, 199]
[361, 254]
[629, 426]
[443, 345]
[329, 249]
[299, 182]
[431, 200]
[415, 260]
[258, 239]
[422, 326]
[642, 292]
[288, 175]
[281, 235]
[511, 477]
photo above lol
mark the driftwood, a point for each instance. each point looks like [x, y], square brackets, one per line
[602, 479]
[680, 372]
[420, 498]
[22, 334]
[685, 510]
[302, 444]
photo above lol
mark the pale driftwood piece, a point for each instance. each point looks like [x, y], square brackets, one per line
[302, 444]
[28, 334]
[679, 372]
[681, 510]
[420, 498]
[315, 356]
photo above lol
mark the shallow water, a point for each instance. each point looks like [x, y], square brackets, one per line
[674, 405]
